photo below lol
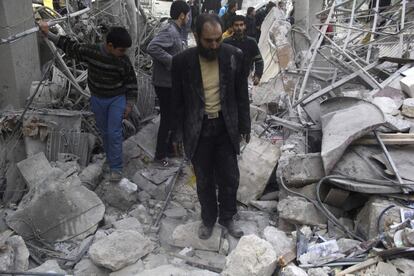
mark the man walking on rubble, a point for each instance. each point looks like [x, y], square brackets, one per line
[211, 107]
[167, 43]
[248, 45]
[113, 85]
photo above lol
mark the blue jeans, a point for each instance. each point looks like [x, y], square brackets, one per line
[109, 113]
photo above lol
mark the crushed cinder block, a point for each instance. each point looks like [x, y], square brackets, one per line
[50, 266]
[120, 249]
[303, 169]
[186, 235]
[130, 270]
[408, 108]
[293, 270]
[122, 195]
[265, 206]
[173, 270]
[256, 163]
[86, 268]
[130, 223]
[279, 240]
[386, 269]
[252, 257]
[299, 210]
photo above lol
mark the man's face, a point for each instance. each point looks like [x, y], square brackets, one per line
[234, 9]
[210, 40]
[239, 27]
[184, 18]
[118, 51]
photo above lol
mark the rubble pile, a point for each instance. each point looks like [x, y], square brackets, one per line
[326, 181]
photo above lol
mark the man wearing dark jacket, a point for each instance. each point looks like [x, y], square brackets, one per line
[211, 6]
[211, 105]
[167, 43]
[251, 22]
[248, 45]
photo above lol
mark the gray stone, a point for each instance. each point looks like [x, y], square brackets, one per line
[386, 269]
[176, 212]
[20, 252]
[54, 196]
[299, 210]
[50, 266]
[335, 232]
[130, 223]
[293, 270]
[266, 206]
[172, 270]
[186, 235]
[154, 260]
[92, 174]
[122, 195]
[308, 190]
[120, 249]
[397, 124]
[143, 196]
[155, 191]
[158, 175]
[141, 213]
[405, 265]
[387, 105]
[87, 268]
[347, 244]
[408, 108]
[252, 257]
[279, 240]
[130, 270]
[303, 169]
[256, 164]
[320, 271]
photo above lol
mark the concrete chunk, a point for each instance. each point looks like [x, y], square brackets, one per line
[122, 195]
[50, 266]
[303, 169]
[298, 210]
[129, 224]
[386, 269]
[120, 249]
[186, 235]
[86, 268]
[252, 257]
[293, 270]
[130, 270]
[408, 108]
[407, 85]
[279, 240]
[387, 105]
[21, 253]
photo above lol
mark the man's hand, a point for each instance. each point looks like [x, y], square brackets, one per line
[128, 110]
[44, 27]
[245, 137]
[256, 80]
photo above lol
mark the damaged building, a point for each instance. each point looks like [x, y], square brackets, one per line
[326, 181]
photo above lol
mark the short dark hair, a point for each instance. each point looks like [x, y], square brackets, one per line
[270, 5]
[178, 7]
[119, 37]
[250, 10]
[238, 18]
[204, 18]
[231, 5]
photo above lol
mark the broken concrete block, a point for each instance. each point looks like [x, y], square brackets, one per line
[396, 123]
[299, 210]
[303, 169]
[141, 214]
[404, 265]
[408, 108]
[176, 212]
[35, 169]
[155, 260]
[130, 270]
[155, 191]
[279, 240]
[172, 270]
[91, 176]
[186, 235]
[270, 196]
[252, 257]
[50, 266]
[122, 195]
[293, 270]
[346, 244]
[386, 269]
[130, 223]
[213, 258]
[387, 105]
[320, 271]
[20, 252]
[58, 207]
[265, 206]
[337, 233]
[120, 249]
[366, 220]
[158, 175]
[256, 162]
[86, 268]
[257, 114]
[407, 85]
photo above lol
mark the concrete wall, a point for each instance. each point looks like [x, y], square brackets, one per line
[19, 61]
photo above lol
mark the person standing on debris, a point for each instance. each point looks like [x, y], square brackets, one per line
[249, 47]
[211, 6]
[113, 85]
[212, 115]
[251, 22]
[162, 48]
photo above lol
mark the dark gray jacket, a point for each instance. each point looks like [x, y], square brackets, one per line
[188, 101]
[162, 48]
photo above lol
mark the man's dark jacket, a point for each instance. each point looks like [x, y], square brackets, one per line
[188, 96]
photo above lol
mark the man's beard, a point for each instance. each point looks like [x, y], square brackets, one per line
[238, 34]
[209, 54]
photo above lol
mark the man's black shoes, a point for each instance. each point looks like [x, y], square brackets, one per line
[232, 228]
[204, 232]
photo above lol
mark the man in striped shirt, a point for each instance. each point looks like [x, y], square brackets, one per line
[113, 85]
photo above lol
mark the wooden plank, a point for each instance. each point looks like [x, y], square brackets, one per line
[358, 267]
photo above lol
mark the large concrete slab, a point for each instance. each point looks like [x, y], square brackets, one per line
[256, 163]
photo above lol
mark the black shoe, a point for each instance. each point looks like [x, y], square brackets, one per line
[204, 232]
[232, 228]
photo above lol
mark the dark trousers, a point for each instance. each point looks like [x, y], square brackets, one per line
[215, 165]
[164, 142]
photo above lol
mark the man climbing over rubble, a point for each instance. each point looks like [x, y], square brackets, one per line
[211, 111]
[113, 85]
[248, 45]
[167, 43]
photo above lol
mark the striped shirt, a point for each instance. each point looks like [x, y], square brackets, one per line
[108, 76]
